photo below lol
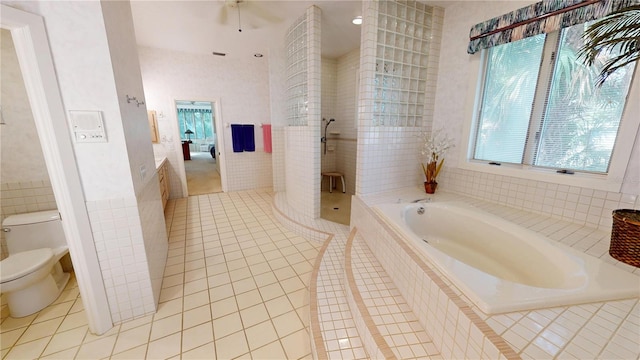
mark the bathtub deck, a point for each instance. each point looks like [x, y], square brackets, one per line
[561, 332]
[599, 330]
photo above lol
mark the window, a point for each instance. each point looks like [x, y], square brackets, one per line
[199, 121]
[540, 107]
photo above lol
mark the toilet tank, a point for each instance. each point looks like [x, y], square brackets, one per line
[29, 231]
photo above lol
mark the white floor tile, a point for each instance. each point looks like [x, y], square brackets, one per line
[65, 340]
[232, 346]
[97, 349]
[207, 351]
[166, 326]
[260, 335]
[227, 325]
[196, 316]
[197, 336]
[132, 338]
[165, 347]
[9, 337]
[40, 330]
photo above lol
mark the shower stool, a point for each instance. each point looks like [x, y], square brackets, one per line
[332, 180]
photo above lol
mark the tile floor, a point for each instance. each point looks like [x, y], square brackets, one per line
[235, 286]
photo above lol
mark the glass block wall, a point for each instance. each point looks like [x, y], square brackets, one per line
[402, 53]
[297, 89]
[398, 73]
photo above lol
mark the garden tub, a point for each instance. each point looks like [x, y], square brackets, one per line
[503, 267]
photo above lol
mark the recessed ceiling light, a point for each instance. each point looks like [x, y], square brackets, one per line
[258, 55]
[357, 20]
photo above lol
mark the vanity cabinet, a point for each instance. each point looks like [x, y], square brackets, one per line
[163, 177]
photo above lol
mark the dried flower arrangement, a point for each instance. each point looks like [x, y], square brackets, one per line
[434, 145]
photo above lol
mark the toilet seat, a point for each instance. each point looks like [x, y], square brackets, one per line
[23, 263]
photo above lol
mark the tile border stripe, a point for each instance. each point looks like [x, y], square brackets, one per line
[381, 343]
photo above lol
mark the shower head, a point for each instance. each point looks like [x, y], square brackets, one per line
[332, 120]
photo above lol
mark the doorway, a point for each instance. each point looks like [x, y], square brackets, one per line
[200, 148]
[30, 38]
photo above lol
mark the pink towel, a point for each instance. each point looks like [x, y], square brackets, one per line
[266, 136]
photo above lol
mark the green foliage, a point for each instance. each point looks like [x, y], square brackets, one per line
[617, 33]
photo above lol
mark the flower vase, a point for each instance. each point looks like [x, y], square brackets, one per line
[430, 187]
[430, 173]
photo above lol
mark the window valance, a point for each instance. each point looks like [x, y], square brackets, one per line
[542, 17]
[194, 110]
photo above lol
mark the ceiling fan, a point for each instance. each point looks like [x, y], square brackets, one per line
[256, 13]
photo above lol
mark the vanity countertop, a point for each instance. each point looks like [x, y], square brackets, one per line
[160, 161]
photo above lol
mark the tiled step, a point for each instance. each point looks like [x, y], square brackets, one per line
[385, 321]
[336, 336]
[332, 326]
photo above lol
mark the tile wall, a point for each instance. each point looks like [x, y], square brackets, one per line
[346, 114]
[329, 99]
[398, 69]
[583, 206]
[154, 232]
[132, 256]
[301, 170]
[22, 197]
[251, 170]
[277, 158]
[346, 151]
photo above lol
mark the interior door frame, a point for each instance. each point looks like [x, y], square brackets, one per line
[36, 64]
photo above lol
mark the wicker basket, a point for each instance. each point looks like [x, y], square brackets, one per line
[625, 236]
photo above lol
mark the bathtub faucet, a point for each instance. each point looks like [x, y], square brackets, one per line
[422, 200]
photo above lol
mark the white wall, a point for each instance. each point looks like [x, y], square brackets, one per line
[94, 77]
[81, 54]
[572, 203]
[242, 86]
[346, 122]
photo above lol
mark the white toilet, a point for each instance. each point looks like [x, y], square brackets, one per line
[31, 277]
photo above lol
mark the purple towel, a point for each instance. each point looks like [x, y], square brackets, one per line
[249, 138]
[237, 136]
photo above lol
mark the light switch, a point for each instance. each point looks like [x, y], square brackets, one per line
[87, 126]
